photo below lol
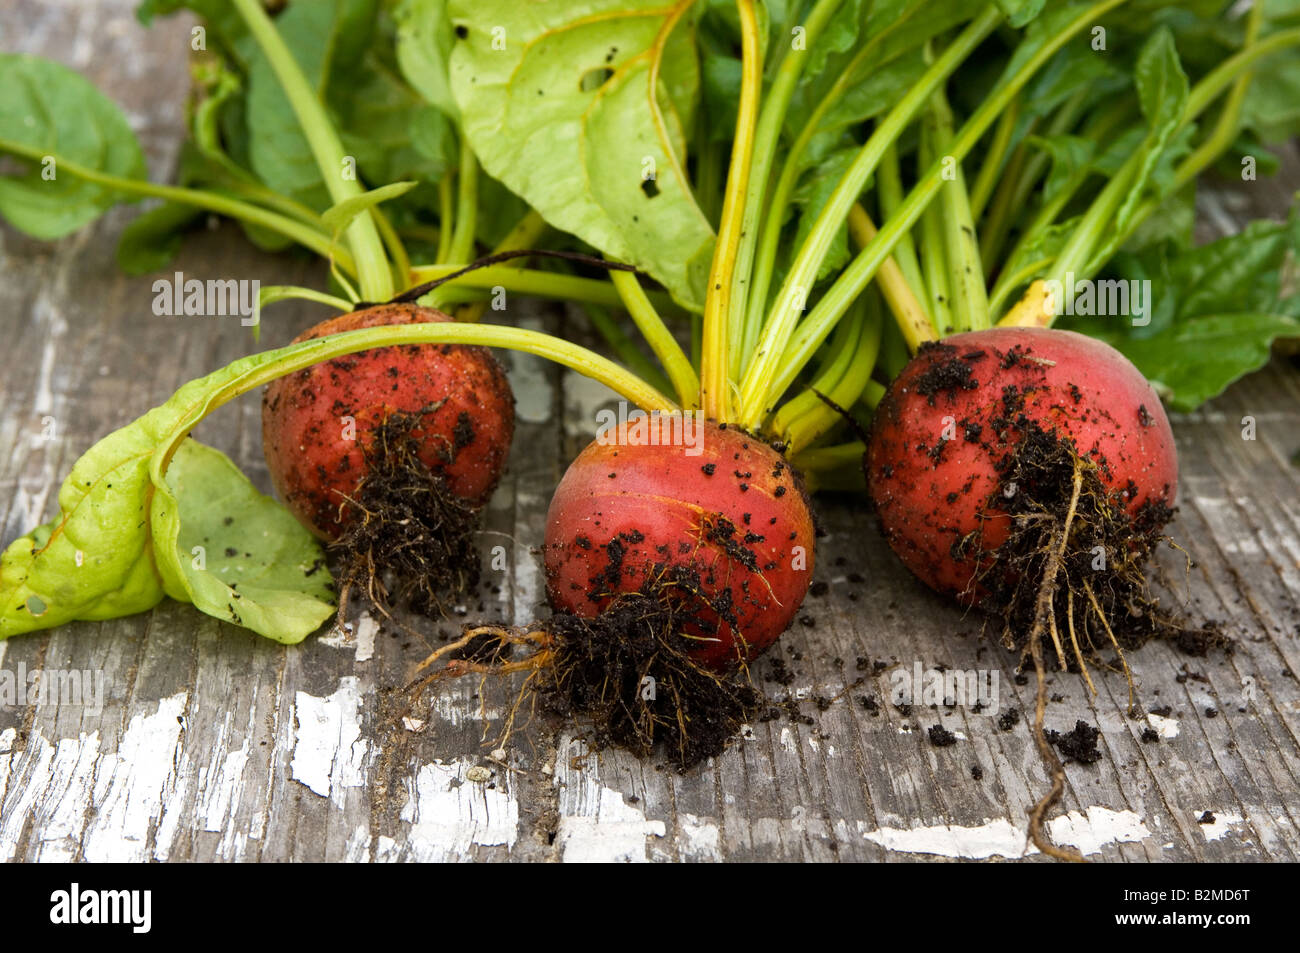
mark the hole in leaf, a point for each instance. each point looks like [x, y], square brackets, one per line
[462, 31]
[593, 79]
[650, 188]
[36, 605]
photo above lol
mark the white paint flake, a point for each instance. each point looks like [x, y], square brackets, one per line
[329, 754]
[1165, 727]
[134, 786]
[598, 826]
[699, 838]
[1089, 832]
[449, 814]
[1223, 824]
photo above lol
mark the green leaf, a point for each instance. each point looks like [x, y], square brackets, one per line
[234, 553]
[219, 17]
[49, 108]
[874, 92]
[390, 130]
[1217, 310]
[812, 195]
[125, 533]
[1162, 93]
[839, 36]
[323, 36]
[339, 216]
[1071, 159]
[1194, 360]
[1020, 12]
[564, 115]
[424, 41]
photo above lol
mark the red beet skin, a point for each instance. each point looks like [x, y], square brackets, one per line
[929, 497]
[314, 464]
[625, 513]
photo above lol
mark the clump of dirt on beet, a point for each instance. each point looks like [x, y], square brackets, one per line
[408, 541]
[1072, 573]
[626, 677]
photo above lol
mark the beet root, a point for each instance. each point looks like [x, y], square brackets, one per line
[318, 424]
[727, 530]
[390, 453]
[1001, 459]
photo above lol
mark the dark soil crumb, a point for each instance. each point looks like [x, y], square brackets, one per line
[1150, 735]
[1009, 719]
[977, 772]
[941, 737]
[780, 673]
[1079, 744]
[1207, 818]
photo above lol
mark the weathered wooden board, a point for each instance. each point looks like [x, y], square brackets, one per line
[213, 744]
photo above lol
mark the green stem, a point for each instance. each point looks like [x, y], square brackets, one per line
[836, 360]
[446, 217]
[524, 235]
[271, 365]
[372, 267]
[462, 241]
[715, 377]
[1010, 281]
[862, 269]
[810, 427]
[542, 284]
[396, 249]
[790, 300]
[830, 458]
[934, 247]
[657, 335]
[298, 231]
[770, 238]
[965, 273]
[270, 294]
[992, 163]
[889, 185]
[767, 137]
[625, 349]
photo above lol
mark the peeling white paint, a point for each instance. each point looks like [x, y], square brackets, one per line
[608, 831]
[1165, 727]
[699, 838]
[449, 814]
[221, 784]
[997, 838]
[329, 754]
[1089, 832]
[1097, 827]
[357, 850]
[367, 629]
[133, 787]
[1224, 822]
